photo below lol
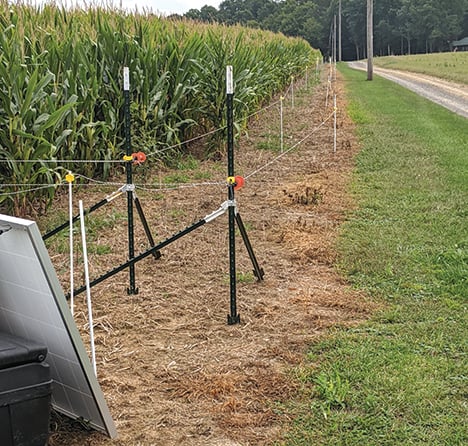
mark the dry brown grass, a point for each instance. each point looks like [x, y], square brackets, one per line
[172, 370]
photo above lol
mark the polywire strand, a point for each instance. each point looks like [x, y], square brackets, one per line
[274, 160]
[222, 183]
[156, 152]
[98, 183]
[31, 184]
[23, 191]
[59, 161]
[276, 103]
[161, 187]
[151, 187]
[262, 110]
[196, 138]
[146, 186]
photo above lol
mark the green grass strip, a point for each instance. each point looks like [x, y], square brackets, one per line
[450, 66]
[402, 377]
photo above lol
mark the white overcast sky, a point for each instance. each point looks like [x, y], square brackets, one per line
[163, 6]
[169, 6]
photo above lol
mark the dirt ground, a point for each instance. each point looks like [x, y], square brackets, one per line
[172, 370]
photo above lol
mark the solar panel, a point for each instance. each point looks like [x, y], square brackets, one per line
[33, 306]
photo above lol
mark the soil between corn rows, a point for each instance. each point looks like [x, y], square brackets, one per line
[172, 371]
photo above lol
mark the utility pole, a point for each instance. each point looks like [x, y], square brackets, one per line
[339, 32]
[370, 38]
[334, 39]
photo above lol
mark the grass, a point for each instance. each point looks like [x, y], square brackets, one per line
[241, 277]
[191, 164]
[400, 378]
[271, 143]
[176, 178]
[95, 224]
[449, 66]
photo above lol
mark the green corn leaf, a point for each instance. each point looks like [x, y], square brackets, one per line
[55, 117]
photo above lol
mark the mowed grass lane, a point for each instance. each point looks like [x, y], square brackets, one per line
[401, 378]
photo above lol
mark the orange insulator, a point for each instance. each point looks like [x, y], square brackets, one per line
[239, 182]
[138, 157]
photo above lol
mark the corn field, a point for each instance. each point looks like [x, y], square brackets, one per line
[61, 95]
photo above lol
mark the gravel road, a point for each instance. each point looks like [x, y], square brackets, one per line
[448, 94]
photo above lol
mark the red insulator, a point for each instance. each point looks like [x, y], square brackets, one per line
[138, 157]
[239, 182]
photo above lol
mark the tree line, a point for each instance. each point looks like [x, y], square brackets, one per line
[400, 26]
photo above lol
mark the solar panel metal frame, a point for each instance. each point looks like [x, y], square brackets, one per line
[33, 306]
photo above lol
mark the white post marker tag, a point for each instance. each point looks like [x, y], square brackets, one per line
[229, 80]
[126, 76]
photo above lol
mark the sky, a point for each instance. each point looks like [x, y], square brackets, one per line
[162, 6]
[177, 6]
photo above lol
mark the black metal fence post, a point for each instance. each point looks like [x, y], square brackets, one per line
[128, 168]
[233, 317]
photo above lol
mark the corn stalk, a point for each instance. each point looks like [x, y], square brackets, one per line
[61, 87]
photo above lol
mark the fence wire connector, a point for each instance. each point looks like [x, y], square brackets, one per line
[115, 194]
[128, 188]
[220, 211]
[121, 190]
[128, 158]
